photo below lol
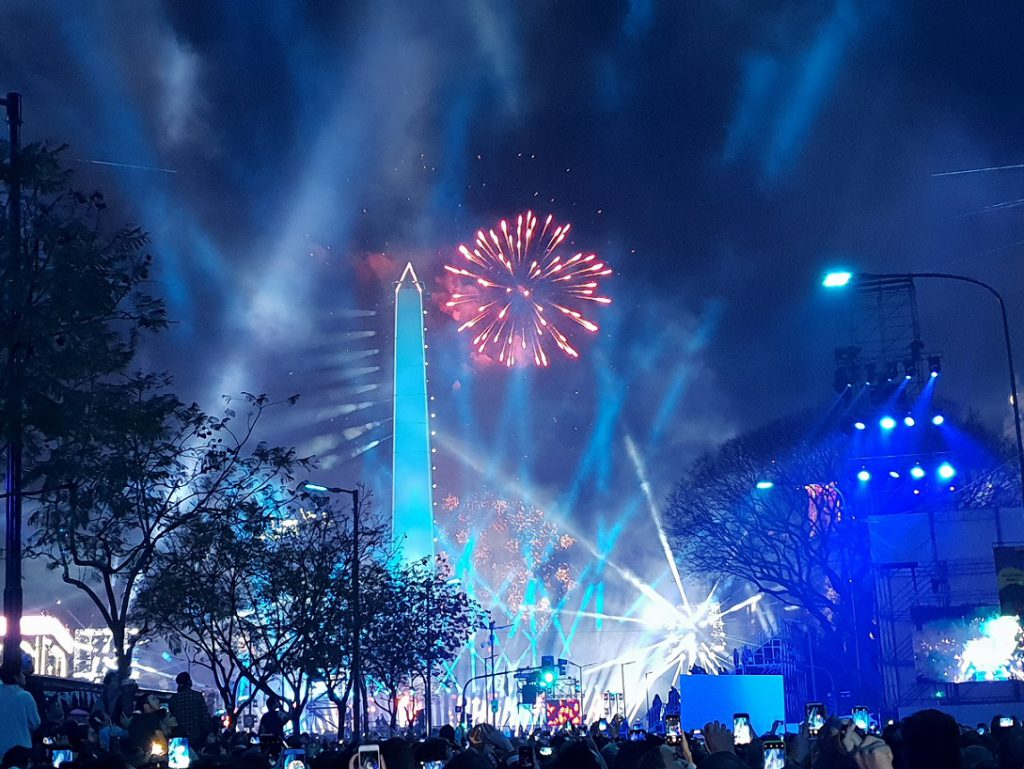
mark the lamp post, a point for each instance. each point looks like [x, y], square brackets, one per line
[13, 596]
[492, 657]
[622, 674]
[647, 695]
[583, 690]
[357, 662]
[843, 278]
[428, 704]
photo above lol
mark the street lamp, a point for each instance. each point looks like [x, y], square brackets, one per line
[428, 704]
[843, 278]
[357, 662]
[583, 690]
[622, 673]
[647, 695]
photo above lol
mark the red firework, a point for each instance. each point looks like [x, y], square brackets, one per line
[520, 284]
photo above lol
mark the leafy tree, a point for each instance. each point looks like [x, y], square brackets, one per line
[441, 616]
[797, 541]
[75, 306]
[143, 469]
[204, 595]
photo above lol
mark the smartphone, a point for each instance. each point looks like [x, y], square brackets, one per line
[602, 725]
[698, 736]
[861, 717]
[741, 728]
[546, 751]
[61, 756]
[177, 753]
[815, 717]
[774, 754]
[526, 758]
[295, 758]
[369, 758]
[440, 764]
[1005, 722]
[48, 741]
[672, 726]
[637, 735]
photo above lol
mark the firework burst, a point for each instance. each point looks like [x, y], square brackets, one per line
[522, 287]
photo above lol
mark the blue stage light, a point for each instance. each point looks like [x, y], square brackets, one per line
[864, 476]
[938, 419]
[917, 472]
[908, 377]
[934, 374]
[887, 423]
[860, 426]
[946, 471]
[893, 474]
[765, 484]
[909, 421]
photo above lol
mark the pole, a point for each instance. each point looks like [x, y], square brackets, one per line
[357, 662]
[647, 695]
[494, 682]
[12, 571]
[622, 673]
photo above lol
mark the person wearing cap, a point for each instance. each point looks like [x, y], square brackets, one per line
[189, 709]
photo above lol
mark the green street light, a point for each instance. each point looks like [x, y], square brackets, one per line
[837, 279]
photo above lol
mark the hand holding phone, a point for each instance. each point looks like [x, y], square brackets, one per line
[861, 717]
[774, 754]
[742, 733]
[369, 757]
[815, 717]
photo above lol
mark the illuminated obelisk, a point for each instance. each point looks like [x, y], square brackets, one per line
[412, 516]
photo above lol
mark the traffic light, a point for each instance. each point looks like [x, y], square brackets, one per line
[529, 694]
[548, 673]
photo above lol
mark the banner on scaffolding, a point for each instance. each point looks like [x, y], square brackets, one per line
[562, 712]
[1010, 577]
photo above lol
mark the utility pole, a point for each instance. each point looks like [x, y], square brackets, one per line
[357, 625]
[14, 426]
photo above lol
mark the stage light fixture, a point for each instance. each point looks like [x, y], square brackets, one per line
[887, 423]
[864, 476]
[909, 421]
[917, 472]
[934, 365]
[765, 485]
[893, 474]
[860, 426]
[946, 471]
[938, 419]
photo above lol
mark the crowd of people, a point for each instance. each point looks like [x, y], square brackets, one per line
[147, 734]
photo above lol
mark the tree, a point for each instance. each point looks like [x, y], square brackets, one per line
[134, 476]
[204, 595]
[796, 540]
[76, 302]
[440, 616]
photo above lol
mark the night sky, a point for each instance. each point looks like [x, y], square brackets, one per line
[719, 155]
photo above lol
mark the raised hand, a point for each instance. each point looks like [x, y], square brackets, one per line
[719, 738]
